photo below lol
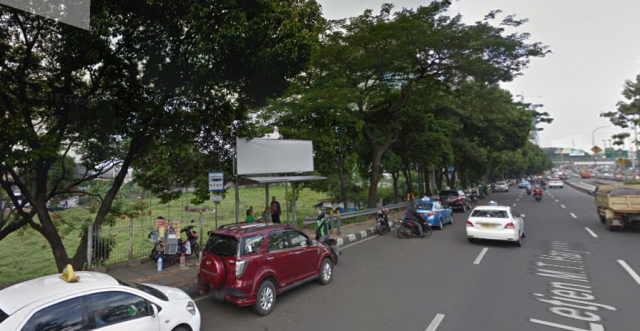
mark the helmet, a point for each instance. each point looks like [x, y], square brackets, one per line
[320, 213]
[493, 203]
[384, 210]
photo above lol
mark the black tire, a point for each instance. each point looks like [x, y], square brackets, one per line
[181, 328]
[518, 243]
[471, 240]
[383, 230]
[451, 219]
[322, 279]
[336, 258]
[441, 225]
[266, 298]
[196, 250]
[428, 231]
[402, 232]
[603, 219]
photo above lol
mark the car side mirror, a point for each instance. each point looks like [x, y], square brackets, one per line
[522, 215]
[592, 193]
[304, 243]
[314, 242]
[154, 310]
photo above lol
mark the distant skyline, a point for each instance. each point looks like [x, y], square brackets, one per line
[594, 51]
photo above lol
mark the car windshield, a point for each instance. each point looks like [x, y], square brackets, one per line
[144, 288]
[3, 316]
[222, 245]
[425, 205]
[490, 213]
[501, 183]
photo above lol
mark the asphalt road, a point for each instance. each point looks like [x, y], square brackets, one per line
[444, 283]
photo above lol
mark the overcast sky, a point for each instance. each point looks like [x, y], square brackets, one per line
[595, 49]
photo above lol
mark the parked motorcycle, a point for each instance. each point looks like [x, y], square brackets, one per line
[188, 247]
[408, 229]
[332, 243]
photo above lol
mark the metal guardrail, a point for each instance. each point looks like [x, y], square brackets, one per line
[333, 219]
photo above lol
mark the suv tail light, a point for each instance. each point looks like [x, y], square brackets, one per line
[429, 214]
[457, 200]
[240, 266]
[469, 224]
[509, 226]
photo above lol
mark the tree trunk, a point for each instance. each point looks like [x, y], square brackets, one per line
[407, 177]
[439, 179]
[375, 174]
[396, 193]
[343, 185]
[427, 184]
[420, 181]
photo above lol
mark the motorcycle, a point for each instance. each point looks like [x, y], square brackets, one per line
[474, 197]
[188, 247]
[332, 243]
[538, 197]
[408, 229]
[382, 225]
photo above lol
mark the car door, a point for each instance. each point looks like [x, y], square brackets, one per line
[117, 310]
[66, 315]
[281, 257]
[306, 255]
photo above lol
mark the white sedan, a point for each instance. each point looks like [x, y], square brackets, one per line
[495, 223]
[556, 182]
[95, 301]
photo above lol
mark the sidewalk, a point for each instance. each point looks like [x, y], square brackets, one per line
[185, 278]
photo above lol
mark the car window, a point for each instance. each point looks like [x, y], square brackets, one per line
[109, 308]
[425, 205]
[436, 205]
[222, 245]
[298, 239]
[63, 316]
[447, 194]
[3, 316]
[251, 245]
[277, 240]
[490, 213]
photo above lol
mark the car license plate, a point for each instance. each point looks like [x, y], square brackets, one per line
[488, 226]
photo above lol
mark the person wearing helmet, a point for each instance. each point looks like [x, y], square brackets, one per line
[414, 217]
[322, 231]
[493, 203]
[382, 215]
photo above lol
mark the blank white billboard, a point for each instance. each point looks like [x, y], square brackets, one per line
[273, 156]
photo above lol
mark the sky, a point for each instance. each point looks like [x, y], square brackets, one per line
[595, 49]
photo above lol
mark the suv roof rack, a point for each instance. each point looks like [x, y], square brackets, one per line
[258, 228]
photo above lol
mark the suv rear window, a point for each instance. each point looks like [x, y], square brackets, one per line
[222, 245]
[447, 194]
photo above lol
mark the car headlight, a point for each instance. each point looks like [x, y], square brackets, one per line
[191, 307]
[240, 266]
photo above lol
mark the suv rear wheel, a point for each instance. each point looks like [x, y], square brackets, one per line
[266, 299]
[326, 272]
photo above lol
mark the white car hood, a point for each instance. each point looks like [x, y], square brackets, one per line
[174, 294]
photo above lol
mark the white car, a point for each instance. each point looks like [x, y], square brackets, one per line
[95, 301]
[495, 223]
[555, 182]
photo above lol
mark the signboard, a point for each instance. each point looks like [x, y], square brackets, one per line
[273, 156]
[621, 161]
[596, 149]
[216, 198]
[216, 181]
[451, 168]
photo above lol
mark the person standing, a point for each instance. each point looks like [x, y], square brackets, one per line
[266, 216]
[275, 210]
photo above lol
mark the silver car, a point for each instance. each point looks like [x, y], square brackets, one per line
[502, 187]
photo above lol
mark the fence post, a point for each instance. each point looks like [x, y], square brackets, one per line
[339, 228]
[332, 223]
[89, 245]
[131, 239]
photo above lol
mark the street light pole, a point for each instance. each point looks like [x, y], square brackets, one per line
[593, 141]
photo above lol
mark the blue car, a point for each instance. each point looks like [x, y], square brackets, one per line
[524, 184]
[435, 212]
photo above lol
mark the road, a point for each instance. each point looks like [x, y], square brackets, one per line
[570, 272]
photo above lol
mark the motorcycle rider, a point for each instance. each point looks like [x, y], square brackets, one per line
[529, 189]
[537, 191]
[322, 231]
[382, 214]
[414, 217]
[493, 203]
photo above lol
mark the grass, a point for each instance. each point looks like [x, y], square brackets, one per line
[26, 254]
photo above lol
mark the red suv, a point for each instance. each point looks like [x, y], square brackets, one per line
[249, 264]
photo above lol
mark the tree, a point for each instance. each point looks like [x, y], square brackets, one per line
[380, 62]
[628, 113]
[149, 78]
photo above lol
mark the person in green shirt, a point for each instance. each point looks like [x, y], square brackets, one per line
[249, 218]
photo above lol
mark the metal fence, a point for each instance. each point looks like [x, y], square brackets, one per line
[335, 221]
[129, 239]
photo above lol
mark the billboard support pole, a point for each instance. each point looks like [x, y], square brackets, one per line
[286, 200]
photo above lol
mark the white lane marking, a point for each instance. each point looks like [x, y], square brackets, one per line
[481, 255]
[633, 274]
[360, 241]
[435, 323]
[557, 200]
[563, 206]
[514, 204]
[201, 298]
[574, 216]
[591, 232]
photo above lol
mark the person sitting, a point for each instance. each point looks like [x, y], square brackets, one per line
[537, 191]
[250, 218]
